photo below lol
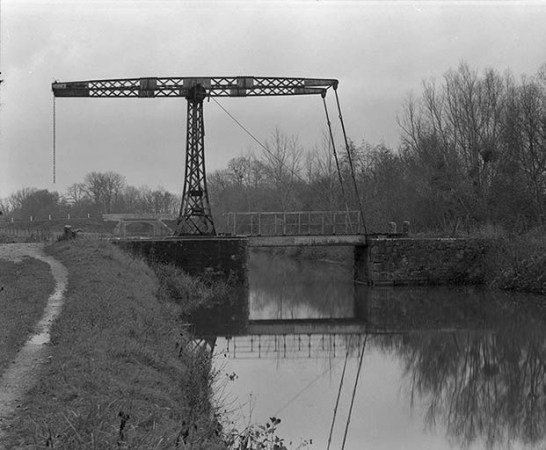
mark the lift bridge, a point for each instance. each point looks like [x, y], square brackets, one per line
[195, 216]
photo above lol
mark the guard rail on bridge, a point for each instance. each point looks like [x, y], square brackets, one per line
[294, 223]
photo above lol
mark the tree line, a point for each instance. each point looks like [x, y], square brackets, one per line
[100, 192]
[472, 153]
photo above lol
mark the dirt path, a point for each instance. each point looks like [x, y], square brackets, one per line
[20, 376]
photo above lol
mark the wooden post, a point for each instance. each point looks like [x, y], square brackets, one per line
[68, 232]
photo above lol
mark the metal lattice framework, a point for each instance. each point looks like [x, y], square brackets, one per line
[195, 213]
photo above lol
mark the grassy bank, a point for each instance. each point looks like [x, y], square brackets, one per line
[521, 263]
[25, 287]
[123, 372]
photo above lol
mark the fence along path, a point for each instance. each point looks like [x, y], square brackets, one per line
[41, 235]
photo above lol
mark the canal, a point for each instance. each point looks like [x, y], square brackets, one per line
[412, 368]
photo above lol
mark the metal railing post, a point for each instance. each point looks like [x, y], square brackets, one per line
[322, 222]
[359, 215]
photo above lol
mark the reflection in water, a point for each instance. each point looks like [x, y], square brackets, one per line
[471, 363]
[482, 386]
[289, 288]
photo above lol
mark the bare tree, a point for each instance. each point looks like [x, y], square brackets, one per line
[526, 133]
[104, 188]
[282, 166]
[76, 194]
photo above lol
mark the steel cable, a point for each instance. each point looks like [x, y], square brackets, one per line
[354, 392]
[350, 162]
[338, 397]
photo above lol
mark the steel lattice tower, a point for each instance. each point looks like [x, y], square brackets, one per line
[195, 213]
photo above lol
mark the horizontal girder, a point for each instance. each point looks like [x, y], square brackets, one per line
[182, 87]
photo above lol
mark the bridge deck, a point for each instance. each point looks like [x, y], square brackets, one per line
[311, 240]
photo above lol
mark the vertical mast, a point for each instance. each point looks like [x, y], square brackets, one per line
[195, 214]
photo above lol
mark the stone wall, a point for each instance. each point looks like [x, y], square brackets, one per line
[222, 257]
[411, 261]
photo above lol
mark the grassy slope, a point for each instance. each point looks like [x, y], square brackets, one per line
[522, 263]
[26, 288]
[122, 373]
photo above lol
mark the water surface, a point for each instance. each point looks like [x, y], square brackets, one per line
[439, 368]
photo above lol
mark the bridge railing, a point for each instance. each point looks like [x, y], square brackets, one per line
[295, 223]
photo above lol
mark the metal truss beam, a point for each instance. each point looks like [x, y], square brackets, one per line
[181, 87]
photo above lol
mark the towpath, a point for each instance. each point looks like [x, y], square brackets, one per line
[21, 375]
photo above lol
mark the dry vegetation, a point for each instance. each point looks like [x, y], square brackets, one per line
[123, 373]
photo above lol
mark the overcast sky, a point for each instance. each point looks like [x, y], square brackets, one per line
[379, 52]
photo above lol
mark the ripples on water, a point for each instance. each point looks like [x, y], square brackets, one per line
[442, 368]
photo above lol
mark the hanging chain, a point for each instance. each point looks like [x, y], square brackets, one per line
[54, 142]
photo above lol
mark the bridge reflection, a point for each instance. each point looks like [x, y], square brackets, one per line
[394, 314]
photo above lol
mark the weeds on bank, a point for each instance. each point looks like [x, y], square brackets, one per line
[524, 263]
[262, 437]
[189, 293]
